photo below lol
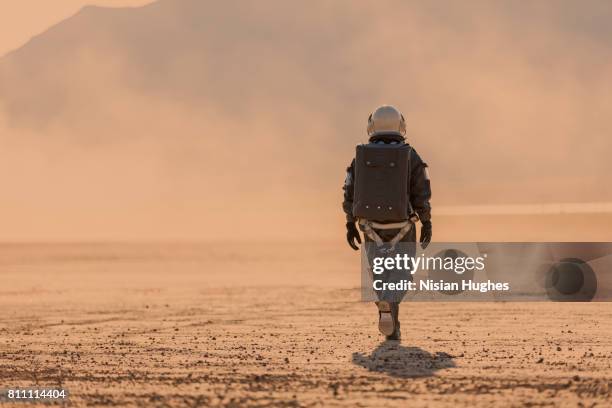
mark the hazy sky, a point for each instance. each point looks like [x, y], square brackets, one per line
[22, 19]
[167, 122]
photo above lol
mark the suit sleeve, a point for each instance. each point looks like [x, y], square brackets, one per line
[420, 187]
[349, 188]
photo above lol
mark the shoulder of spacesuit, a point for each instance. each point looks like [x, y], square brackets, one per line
[415, 157]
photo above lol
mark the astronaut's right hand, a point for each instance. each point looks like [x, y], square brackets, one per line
[352, 235]
[425, 233]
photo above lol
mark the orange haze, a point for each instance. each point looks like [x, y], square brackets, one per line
[196, 119]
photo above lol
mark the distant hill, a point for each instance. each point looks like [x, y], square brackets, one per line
[507, 102]
[233, 56]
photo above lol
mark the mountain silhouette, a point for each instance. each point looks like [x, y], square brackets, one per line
[263, 101]
[233, 56]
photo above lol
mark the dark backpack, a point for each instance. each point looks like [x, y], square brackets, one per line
[382, 173]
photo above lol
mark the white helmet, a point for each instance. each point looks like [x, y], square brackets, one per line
[386, 120]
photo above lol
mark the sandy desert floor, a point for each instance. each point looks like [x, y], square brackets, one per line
[261, 325]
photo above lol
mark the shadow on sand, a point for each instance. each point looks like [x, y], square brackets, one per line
[392, 358]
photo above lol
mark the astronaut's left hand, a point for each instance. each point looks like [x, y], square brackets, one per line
[352, 235]
[425, 233]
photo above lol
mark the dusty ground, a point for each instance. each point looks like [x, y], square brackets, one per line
[277, 325]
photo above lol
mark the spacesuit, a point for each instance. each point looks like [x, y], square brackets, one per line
[386, 125]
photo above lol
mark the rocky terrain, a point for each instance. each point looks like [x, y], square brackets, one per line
[247, 325]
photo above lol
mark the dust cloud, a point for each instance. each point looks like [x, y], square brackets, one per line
[217, 120]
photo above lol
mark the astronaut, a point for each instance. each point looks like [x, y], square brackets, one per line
[386, 224]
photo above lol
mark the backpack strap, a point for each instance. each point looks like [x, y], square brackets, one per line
[368, 228]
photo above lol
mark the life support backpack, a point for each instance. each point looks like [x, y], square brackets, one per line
[382, 174]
